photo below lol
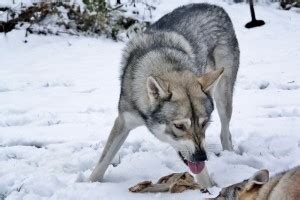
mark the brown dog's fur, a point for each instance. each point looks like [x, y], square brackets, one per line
[283, 186]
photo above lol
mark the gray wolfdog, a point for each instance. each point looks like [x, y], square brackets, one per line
[169, 75]
[285, 185]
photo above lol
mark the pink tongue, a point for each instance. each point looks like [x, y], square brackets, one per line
[196, 168]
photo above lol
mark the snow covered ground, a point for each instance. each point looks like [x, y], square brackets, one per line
[58, 100]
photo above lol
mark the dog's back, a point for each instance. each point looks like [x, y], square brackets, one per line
[285, 185]
[204, 26]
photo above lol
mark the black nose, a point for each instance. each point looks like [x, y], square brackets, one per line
[199, 156]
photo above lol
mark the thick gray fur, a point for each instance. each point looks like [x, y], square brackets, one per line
[196, 39]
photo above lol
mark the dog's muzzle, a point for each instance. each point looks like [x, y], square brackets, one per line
[196, 162]
[182, 158]
[199, 156]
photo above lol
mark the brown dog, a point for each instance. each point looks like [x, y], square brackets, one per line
[283, 186]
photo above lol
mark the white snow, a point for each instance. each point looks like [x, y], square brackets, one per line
[58, 101]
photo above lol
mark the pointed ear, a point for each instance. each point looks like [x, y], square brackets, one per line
[157, 89]
[259, 178]
[210, 79]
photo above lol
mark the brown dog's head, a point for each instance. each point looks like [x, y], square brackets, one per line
[245, 190]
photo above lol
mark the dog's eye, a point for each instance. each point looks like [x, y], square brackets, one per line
[205, 123]
[179, 127]
[238, 188]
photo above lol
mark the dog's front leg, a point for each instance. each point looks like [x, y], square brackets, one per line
[115, 140]
[203, 179]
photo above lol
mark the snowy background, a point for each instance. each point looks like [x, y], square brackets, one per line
[58, 101]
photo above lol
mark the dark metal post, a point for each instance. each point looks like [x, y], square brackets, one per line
[254, 22]
[252, 10]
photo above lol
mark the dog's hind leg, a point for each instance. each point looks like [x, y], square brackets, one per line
[124, 123]
[224, 107]
[224, 91]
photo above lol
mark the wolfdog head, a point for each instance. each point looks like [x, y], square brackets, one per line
[245, 190]
[181, 107]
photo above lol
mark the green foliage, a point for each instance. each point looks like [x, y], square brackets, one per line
[96, 5]
[287, 4]
[97, 18]
[114, 33]
[109, 21]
